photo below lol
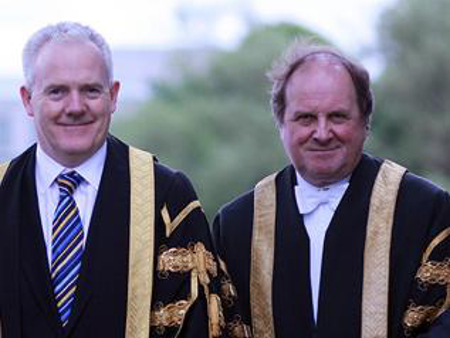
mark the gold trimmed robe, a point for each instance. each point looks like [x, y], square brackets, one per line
[422, 211]
[27, 306]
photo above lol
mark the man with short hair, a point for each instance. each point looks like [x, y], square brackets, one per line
[98, 239]
[330, 246]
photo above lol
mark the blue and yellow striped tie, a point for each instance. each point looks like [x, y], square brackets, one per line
[67, 245]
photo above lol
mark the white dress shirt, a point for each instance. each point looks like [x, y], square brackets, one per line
[317, 205]
[47, 170]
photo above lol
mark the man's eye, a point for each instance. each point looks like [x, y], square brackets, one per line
[305, 118]
[93, 92]
[339, 117]
[56, 93]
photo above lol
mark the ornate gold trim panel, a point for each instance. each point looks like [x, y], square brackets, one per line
[187, 259]
[262, 258]
[142, 219]
[377, 250]
[417, 316]
[200, 263]
[171, 315]
[431, 273]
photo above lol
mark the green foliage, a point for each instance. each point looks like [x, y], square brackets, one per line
[217, 126]
[412, 122]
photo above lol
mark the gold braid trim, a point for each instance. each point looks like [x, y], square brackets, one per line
[172, 225]
[185, 260]
[200, 262]
[215, 312]
[433, 272]
[434, 243]
[171, 315]
[377, 248]
[237, 328]
[430, 273]
[141, 243]
[227, 289]
[166, 219]
[416, 316]
[262, 258]
[222, 265]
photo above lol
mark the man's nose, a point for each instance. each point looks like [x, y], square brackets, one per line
[75, 103]
[323, 131]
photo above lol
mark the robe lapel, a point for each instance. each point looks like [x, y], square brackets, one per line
[104, 268]
[342, 263]
[10, 214]
[293, 313]
[32, 246]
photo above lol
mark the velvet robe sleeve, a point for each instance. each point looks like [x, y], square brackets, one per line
[193, 294]
[428, 313]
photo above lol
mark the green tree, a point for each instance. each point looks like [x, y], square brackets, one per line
[217, 126]
[412, 122]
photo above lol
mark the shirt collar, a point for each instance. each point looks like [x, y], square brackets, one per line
[309, 197]
[47, 169]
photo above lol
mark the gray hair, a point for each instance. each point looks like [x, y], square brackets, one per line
[302, 51]
[61, 32]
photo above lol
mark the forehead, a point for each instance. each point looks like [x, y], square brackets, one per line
[69, 61]
[321, 77]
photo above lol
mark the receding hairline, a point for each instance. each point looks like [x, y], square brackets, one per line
[322, 58]
[71, 41]
[63, 32]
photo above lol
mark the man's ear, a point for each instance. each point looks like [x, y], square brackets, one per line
[25, 94]
[114, 93]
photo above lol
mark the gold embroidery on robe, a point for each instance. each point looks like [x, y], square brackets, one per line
[237, 328]
[200, 263]
[262, 258]
[140, 266]
[227, 289]
[416, 316]
[170, 315]
[171, 225]
[431, 273]
[215, 313]
[186, 259]
[374, 321]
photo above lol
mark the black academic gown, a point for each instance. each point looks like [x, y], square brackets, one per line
[27, 305]
[422, 210]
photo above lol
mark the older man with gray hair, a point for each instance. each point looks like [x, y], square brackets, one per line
[330, 246]
[98, 239]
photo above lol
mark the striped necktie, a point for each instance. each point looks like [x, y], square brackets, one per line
[67, 245]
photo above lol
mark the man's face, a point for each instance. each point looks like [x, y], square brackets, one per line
[71, 101]
[323, 130]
